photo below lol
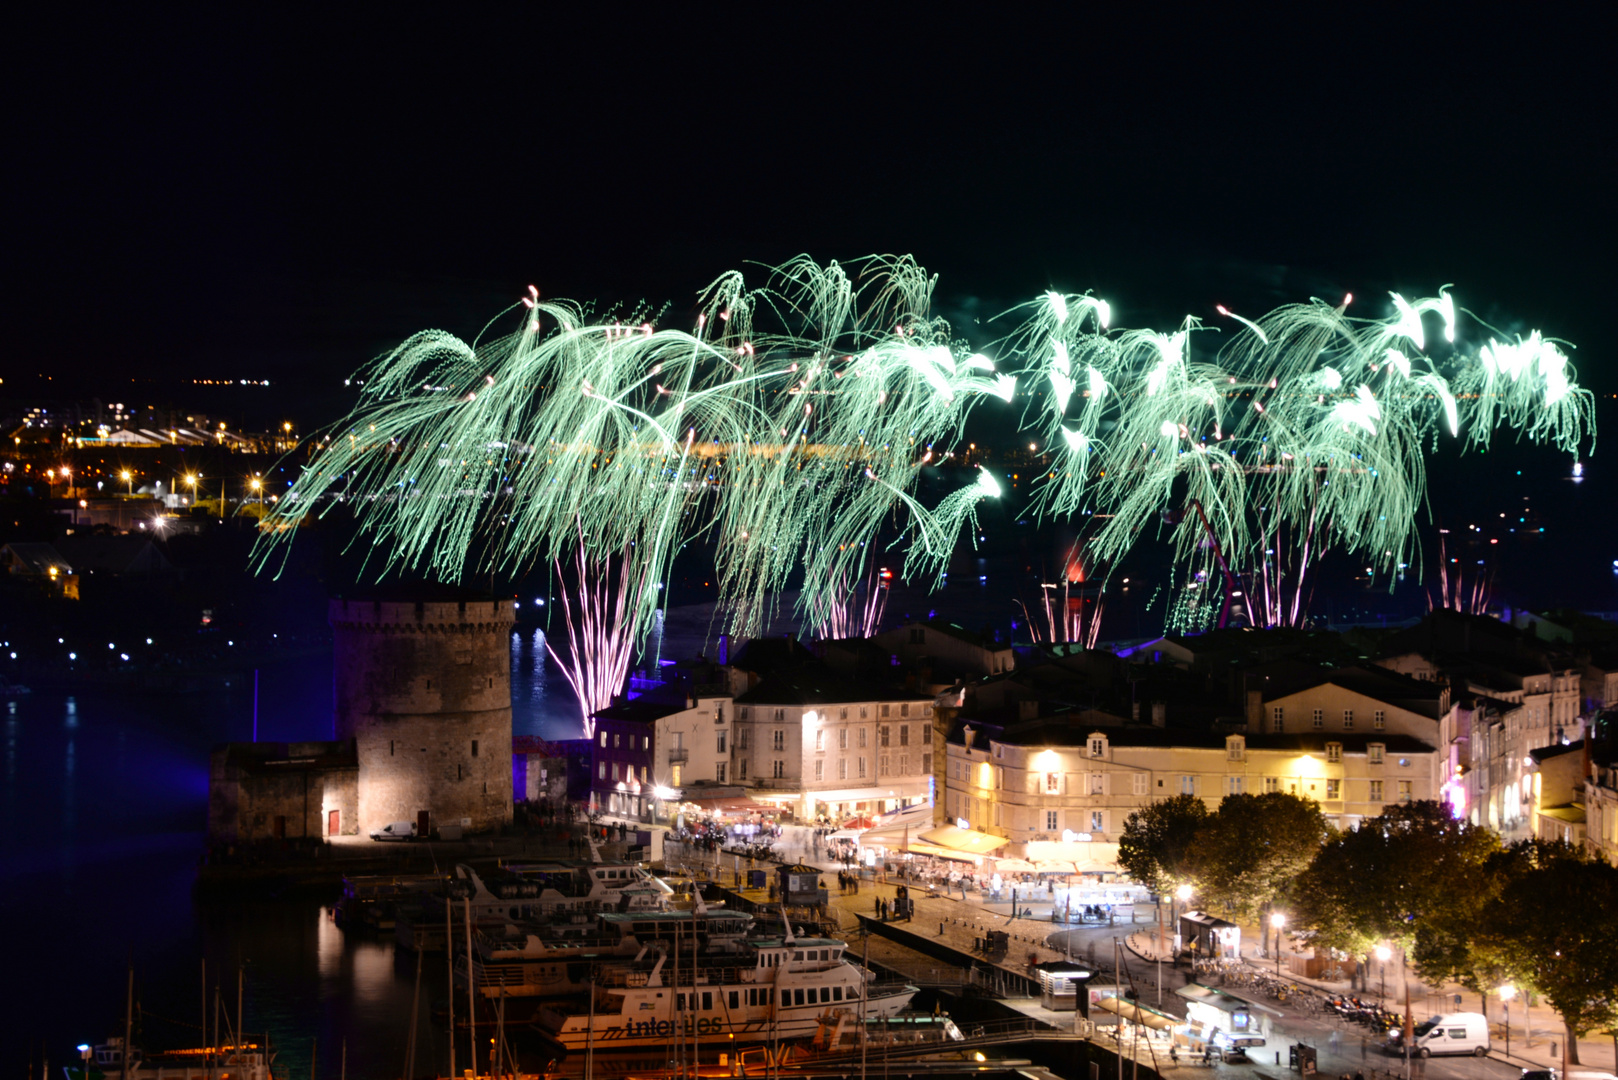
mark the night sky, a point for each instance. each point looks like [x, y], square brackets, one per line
[282, 195]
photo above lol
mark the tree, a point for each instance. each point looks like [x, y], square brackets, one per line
[1157, 842]
[1249, 852]
[1409, 866]
[1447, 944]
[1555, 927]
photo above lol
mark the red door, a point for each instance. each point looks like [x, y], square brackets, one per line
[333, 818]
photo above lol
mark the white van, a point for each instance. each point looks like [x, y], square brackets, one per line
[396, 830]
[1452, 1033]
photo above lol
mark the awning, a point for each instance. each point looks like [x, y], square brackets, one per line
[1088, 856]
[968, 840]
[919, 847]
[1136, 1013]
[731, 804]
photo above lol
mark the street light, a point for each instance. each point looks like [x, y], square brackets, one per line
[258, 489]
[1506, 994]
[1382, 954]
[1278, 920]
[84, 1055]
[128, 479]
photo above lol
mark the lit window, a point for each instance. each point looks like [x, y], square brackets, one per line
[1334, 751]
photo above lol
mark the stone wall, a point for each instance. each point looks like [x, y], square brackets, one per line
[281, 791]
[424, 690]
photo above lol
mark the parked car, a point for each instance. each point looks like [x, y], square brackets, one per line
[396, 830]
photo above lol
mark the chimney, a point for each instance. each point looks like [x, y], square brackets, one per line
[968, 734]
[1255, 710]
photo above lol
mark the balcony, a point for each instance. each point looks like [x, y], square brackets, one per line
[679, 757]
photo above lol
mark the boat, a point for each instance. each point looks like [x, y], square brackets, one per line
[244, 1061]
[11, 689]
[551, 962]
[772, 989]
[370, 902]
[553, 892]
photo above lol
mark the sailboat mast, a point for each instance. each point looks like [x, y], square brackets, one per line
[129, 1020]
[471, 1002]
[449, 964]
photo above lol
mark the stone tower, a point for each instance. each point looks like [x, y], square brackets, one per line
[424, 690]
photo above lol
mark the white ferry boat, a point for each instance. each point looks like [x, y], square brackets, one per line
[773, 989]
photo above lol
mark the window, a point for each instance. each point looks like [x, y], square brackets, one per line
[842, 737]
[1235, 748]
[719, 714]
[616, 767]
[904, 764]
[780, 740]
[603, 740]
[744, 714]
[1050, 820]
[645, 742]
[1379, 720]
[997, 814]
[863, 735]
[842, 713]
[679, 740]
[780, 769]
[842, 768]
[1272, 784]
[1098, 820]
[642, 773]
[719, 772]
[861, 770]
[918, 635]
[1053, 783]
[1233, 785]
[1348, 719]
[617, 740]
[722, 742]
[741, 769]
[1373, 753]
[882, 765]
[1334, 788]
[1376, 791]
[677, 774]
[1319, 719]
[904, 709]
[864, 713]
[820, 769]
[1405, 791]
[884, 710]
[1140, 781]
[780, 716]
[820, 741]
[904, 734]
[1188, 785]
[735, 999]
[882, 732]
[1098, 748]
[474, 748]
[1277, 716]
[927, 764]
[601, 770]
[1334, 751]
[741, 738]
[999, 751]
[1098, 783]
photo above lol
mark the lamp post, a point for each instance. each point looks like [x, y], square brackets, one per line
[1506, 994]
[1278, 921]
[84, 1055]
[129, 480]
[258, 489]
[1382, 955]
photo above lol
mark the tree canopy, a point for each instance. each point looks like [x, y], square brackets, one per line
[1411, 866]
[1554, 926]
[1251, 849]
[1157, 841]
